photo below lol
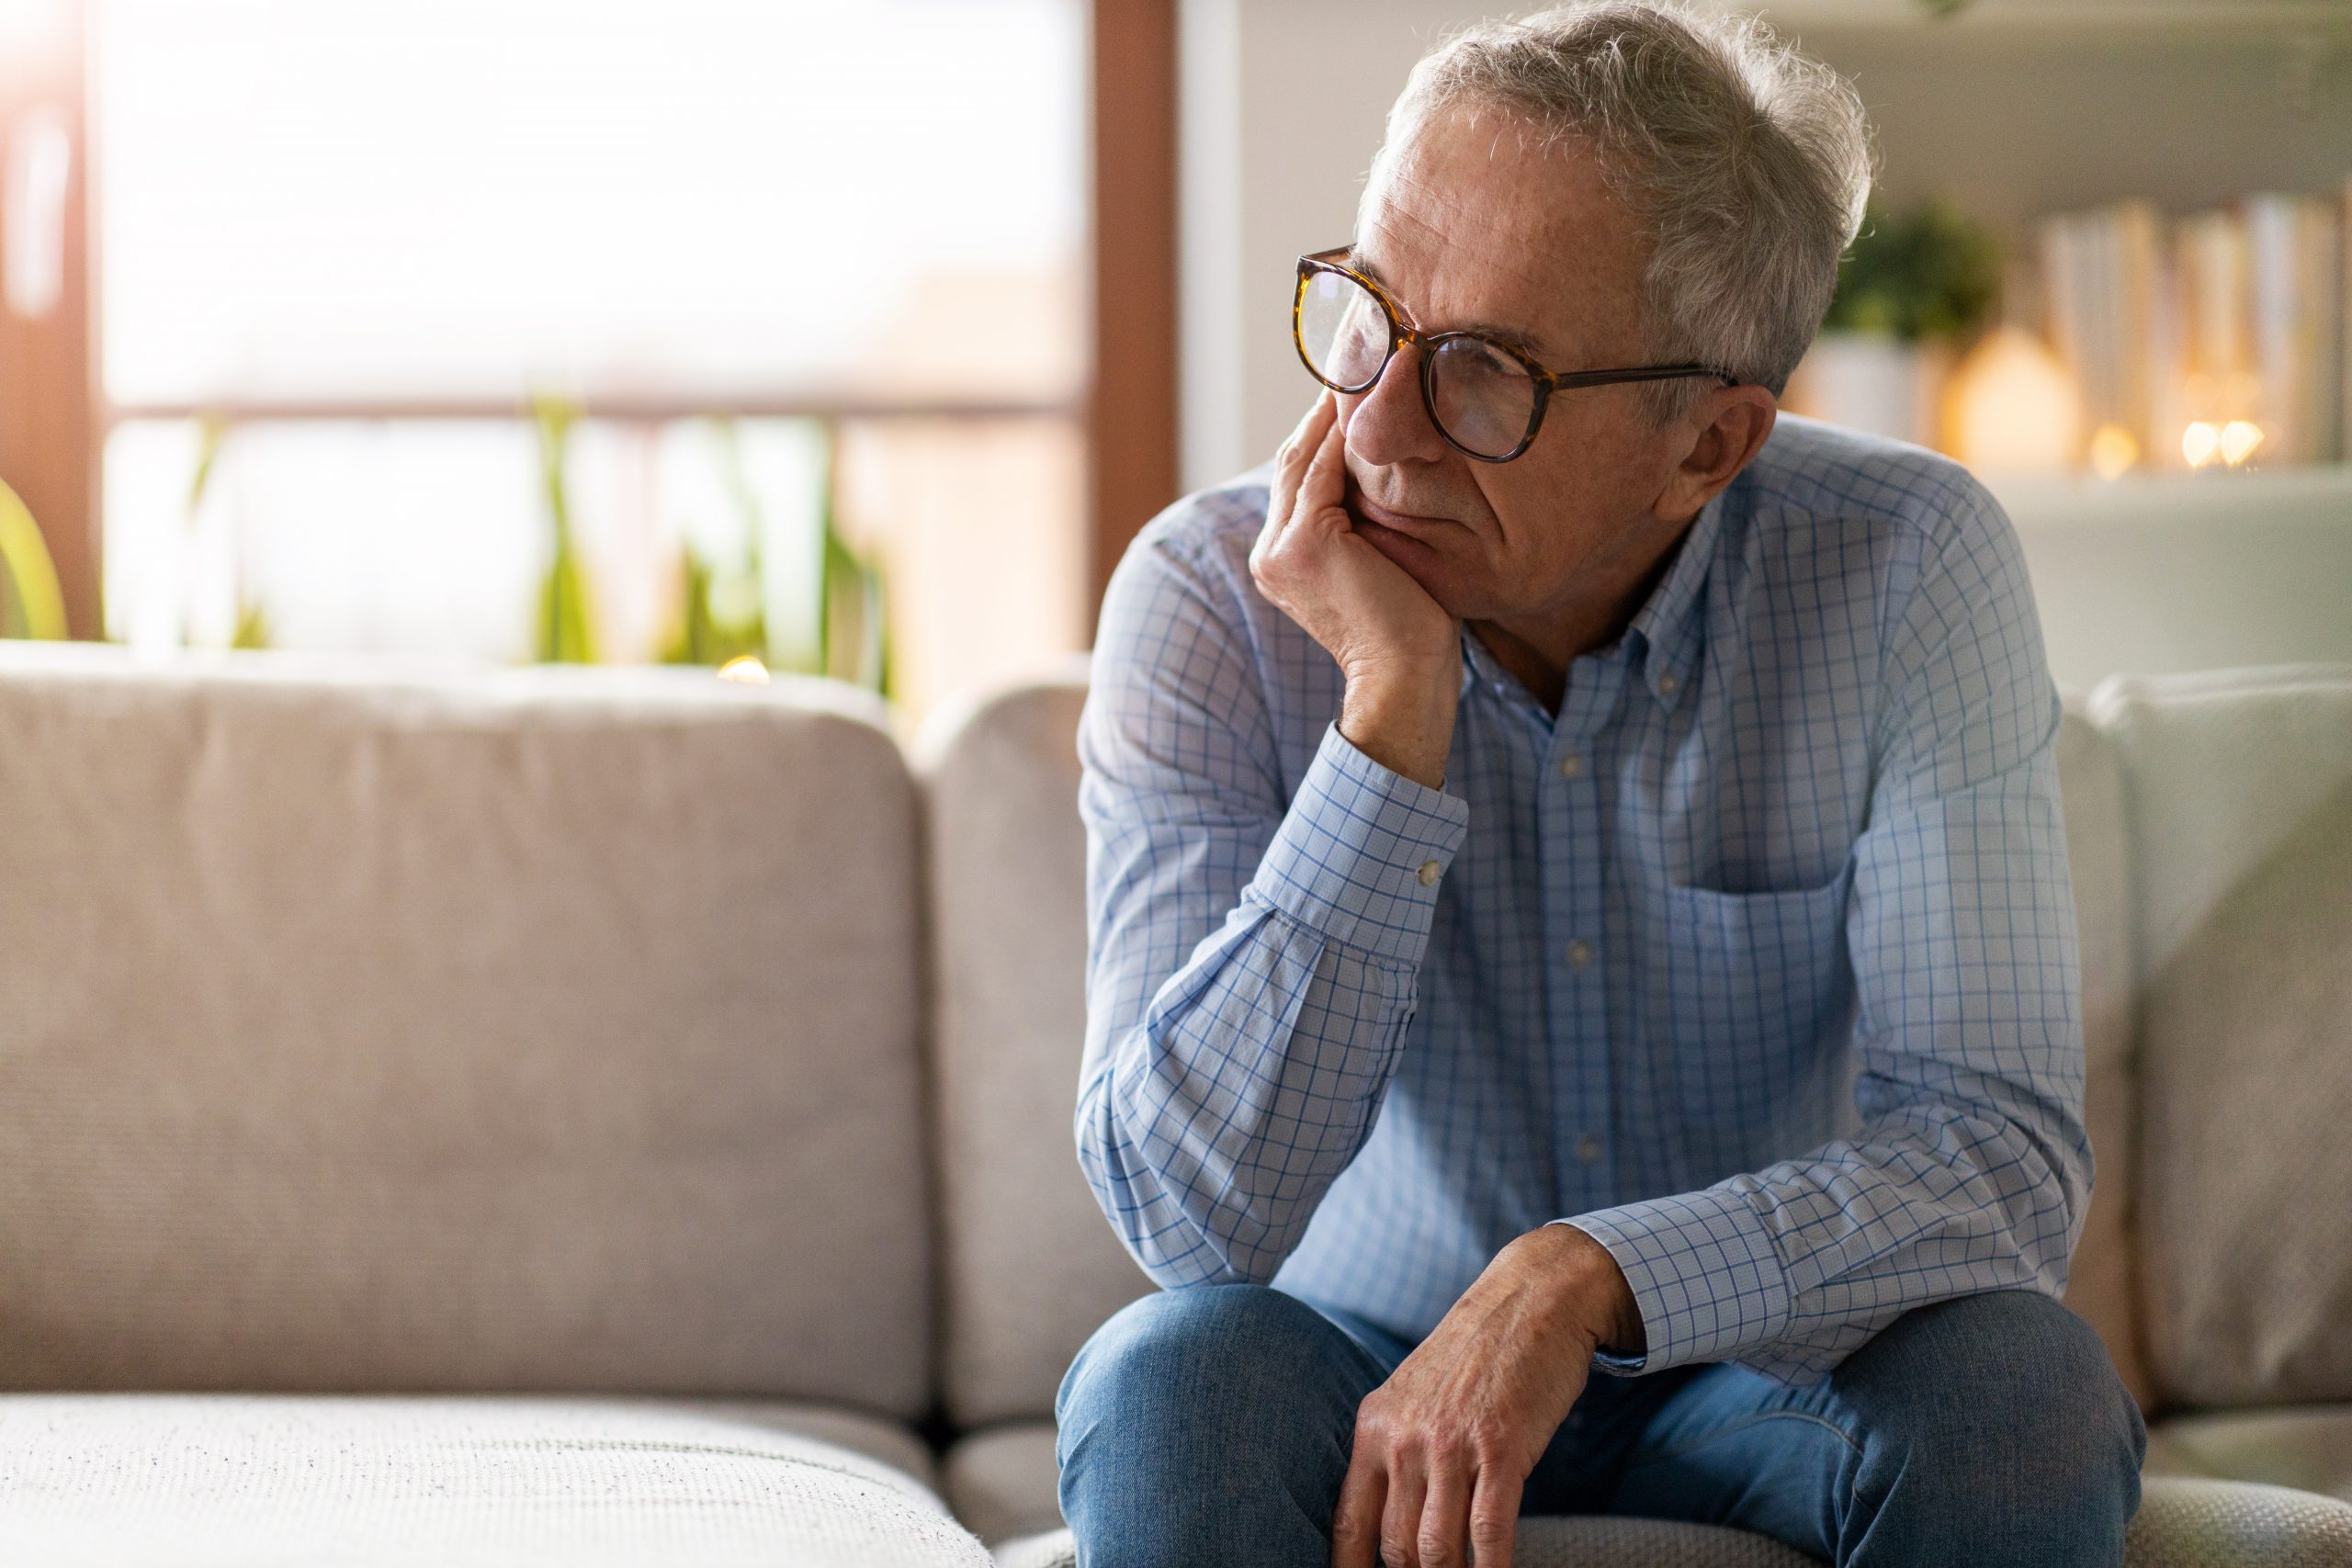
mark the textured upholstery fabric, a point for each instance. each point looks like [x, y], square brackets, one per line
[2308, 1447]
[1031, 1269]
[2099, 1281]
[184, 1481]
[2181, 1524]
[545, 1030]
[1002, 1482]
[2240, 804]
[2227, 1524]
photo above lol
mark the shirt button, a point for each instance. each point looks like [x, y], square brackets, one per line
[1572, 766]
[1579, 955]
[1588, 1149]
[1430, 871]
[1666, 683]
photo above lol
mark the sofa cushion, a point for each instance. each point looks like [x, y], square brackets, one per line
[177, 1481]
[1030, 1268]
[2182, 1523]
[1005, 1483]
[547, 1030]
[2239, 789]
[2100, 1285]
[2305, 1447]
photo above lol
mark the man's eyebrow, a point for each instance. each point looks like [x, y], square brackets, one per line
[1517, 337]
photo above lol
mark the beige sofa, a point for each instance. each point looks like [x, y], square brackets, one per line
[617, 1118]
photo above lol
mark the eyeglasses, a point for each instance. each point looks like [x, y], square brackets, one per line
[1484, 396]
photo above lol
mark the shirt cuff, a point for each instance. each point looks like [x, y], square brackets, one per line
[1704, 1274]
[1361, 852]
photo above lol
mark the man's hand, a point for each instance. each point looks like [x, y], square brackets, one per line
[1443, 1447]
[1399, 649]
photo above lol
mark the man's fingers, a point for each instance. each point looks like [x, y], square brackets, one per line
[1400, 1518]
[1355, 1526]
[1296, 453]
[1305, 440]
[1323, 483]
[1494, 1518]
[1445, 1515]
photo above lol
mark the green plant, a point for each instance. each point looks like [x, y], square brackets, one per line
[252, 621]
[725, 613]
[564, 633]
[852, 626]
[1933, 272]
[32, 603]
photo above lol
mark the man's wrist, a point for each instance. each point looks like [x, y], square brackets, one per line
[1614, 1320]
[1403, 720]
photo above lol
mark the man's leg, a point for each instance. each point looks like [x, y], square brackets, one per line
[1985, 1429]
[1211, 1425]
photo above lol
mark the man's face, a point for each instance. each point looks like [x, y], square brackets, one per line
[1466, 227]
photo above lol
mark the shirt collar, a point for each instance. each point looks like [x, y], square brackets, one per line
[1668, 622]
[1672, 622]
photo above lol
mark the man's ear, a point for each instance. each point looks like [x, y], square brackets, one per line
[1726, 428]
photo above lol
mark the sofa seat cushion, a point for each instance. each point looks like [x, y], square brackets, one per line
[1003, 1482]
[1003, 1486]
[2308, 1447]
[177, 1481]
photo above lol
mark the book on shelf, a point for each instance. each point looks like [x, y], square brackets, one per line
[2233, 320]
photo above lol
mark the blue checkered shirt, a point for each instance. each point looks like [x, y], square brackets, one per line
[1755, 961]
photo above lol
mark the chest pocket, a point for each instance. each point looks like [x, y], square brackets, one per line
[1748, 994]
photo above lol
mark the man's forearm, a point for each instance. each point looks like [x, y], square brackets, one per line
[1217, 1109]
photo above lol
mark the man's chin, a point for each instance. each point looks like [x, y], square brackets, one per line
[1422, 563]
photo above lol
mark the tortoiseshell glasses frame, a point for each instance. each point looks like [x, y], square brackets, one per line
[1544, 380]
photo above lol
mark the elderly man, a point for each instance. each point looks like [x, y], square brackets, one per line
[1576, 885]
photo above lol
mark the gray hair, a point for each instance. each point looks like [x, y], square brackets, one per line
[1746, 162]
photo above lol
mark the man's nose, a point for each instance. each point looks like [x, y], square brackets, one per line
[1390, 423]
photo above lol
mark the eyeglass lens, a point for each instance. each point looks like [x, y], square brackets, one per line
[1484, 397]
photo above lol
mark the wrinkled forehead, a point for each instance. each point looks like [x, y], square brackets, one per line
[1469, 216]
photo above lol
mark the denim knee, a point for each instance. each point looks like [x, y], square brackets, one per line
[1208, 1424]
[1997, 1419]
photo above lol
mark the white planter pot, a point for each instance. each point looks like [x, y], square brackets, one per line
[1869, 382]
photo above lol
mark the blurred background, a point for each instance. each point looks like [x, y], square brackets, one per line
[860, 339]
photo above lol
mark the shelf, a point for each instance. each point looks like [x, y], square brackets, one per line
[2314, 495]
[2036, 19]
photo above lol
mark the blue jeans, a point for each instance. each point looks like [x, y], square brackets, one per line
[1211, 1425]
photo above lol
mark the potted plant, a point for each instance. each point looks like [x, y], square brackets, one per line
[1913, 289]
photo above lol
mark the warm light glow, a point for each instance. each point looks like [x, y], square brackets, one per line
[744, 670]
[2239, 438]
[2113, 451]
[2012, 407]
[2201, 442]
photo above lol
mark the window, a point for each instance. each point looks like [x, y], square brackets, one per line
[787, 262]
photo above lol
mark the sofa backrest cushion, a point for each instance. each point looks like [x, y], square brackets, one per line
[2100, 1283]
[1029, 1267]
[551, 1031]
[2239, 789]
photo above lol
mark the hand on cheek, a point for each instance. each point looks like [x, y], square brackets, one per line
[1397, 647]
